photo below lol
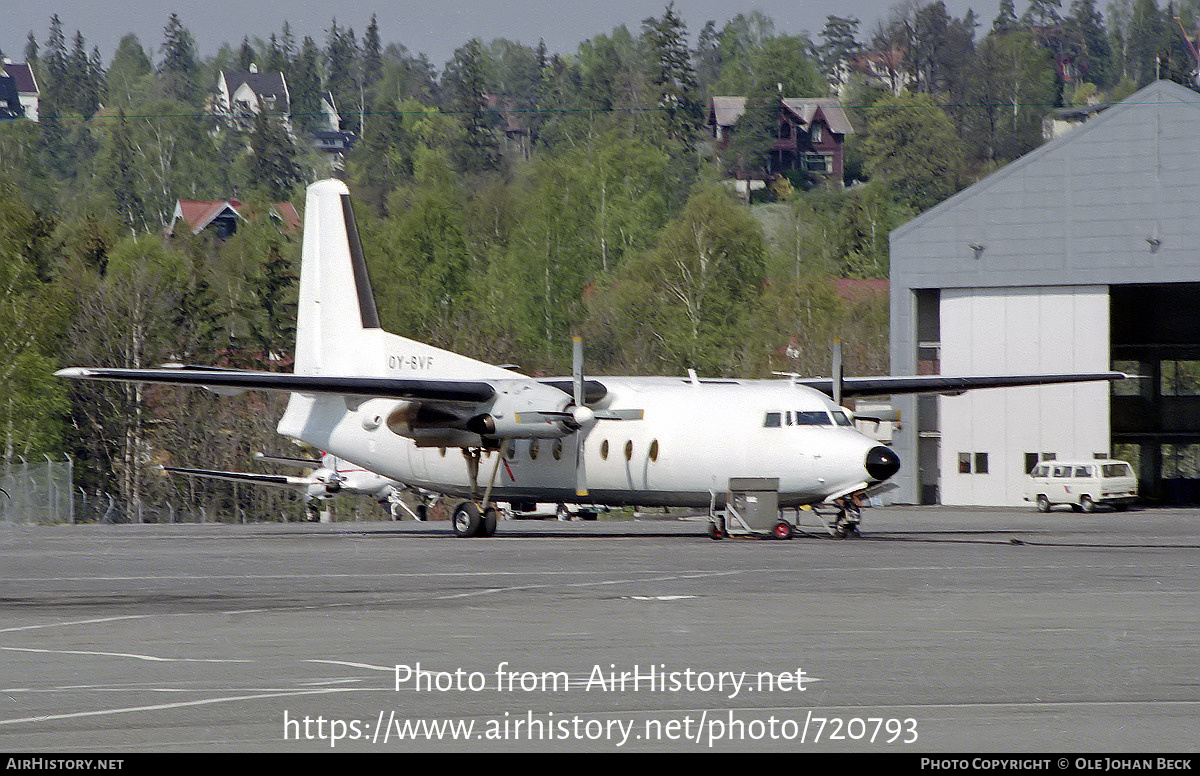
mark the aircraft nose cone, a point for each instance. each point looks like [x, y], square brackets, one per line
[882, 463]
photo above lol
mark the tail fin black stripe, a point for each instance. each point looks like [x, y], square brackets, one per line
[362, 281]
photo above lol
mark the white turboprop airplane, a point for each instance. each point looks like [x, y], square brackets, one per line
[427, 417]
[328, 477]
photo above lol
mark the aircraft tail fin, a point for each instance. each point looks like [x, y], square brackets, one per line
[336, 303]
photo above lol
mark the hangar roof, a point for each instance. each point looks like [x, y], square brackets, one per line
[1113, 201]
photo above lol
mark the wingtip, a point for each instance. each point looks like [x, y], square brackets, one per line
[72, 371]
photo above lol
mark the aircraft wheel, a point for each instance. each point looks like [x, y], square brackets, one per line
[1086, 504]
[1043, 503]
[840, 531]
[422, 512]
[467, 519]
[563, 512]
[782, 530]
[714, 532]
[487, 525]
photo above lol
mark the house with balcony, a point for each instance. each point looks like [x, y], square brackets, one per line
[808, 134]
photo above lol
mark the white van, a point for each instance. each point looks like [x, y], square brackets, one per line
[1082, 484]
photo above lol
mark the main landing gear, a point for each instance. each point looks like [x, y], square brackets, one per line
[477, 517]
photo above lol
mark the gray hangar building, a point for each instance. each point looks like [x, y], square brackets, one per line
[1081, 256]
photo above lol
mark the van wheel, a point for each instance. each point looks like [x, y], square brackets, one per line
[1086, 504]
[1043, 503]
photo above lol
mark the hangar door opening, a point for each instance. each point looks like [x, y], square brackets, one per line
[1156, 419]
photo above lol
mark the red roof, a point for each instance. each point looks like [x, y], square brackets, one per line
[199, 214]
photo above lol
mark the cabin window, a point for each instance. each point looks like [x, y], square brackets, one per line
[811, 418]
[773, 420]
[629, 450]
[604, 450]
[841, 419]
[654, 450]
[1083, 471]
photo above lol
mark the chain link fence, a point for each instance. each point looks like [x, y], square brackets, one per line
[42, 492]
[37, 491]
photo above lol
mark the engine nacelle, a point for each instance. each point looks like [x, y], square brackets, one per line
[505, 426]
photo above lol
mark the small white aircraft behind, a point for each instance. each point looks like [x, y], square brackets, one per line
[428, 417]
[327, 478]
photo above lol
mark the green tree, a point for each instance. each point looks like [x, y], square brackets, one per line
[465, 85]
[179, 69]
[271, 166]
[691, 300]
[911, 147]
[127, 73]
[33, 318]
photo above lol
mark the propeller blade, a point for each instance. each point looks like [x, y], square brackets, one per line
[580, 468]
[620, 414]
[577, 369]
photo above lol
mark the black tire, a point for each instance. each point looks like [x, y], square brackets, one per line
[1043, 503]
[487, 525]
[422, 512]
[714, 532]
[467, 519]
[563, 512]
[1086, 504]
[782, 530]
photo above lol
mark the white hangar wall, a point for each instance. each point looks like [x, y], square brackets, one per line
[1014, 331]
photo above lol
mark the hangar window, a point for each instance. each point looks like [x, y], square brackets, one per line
[654, 450]
[558, 449]
[1180, 378]
[629, 450]
[604, 450]
[972, 463]
[773, 420]
[533, 449]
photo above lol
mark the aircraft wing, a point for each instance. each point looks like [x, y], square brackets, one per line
[231, 381]
[904, 384]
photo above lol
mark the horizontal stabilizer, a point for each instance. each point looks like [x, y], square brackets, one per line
[259, 479]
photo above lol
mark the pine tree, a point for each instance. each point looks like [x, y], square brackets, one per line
[273, 169]
[179, 68]
[1006, 20]
[247, 56]
[839, 47]
[671, 73]
[57, 90]
[372, 56]
[304, 83]
[466, 87]
[341, 54]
